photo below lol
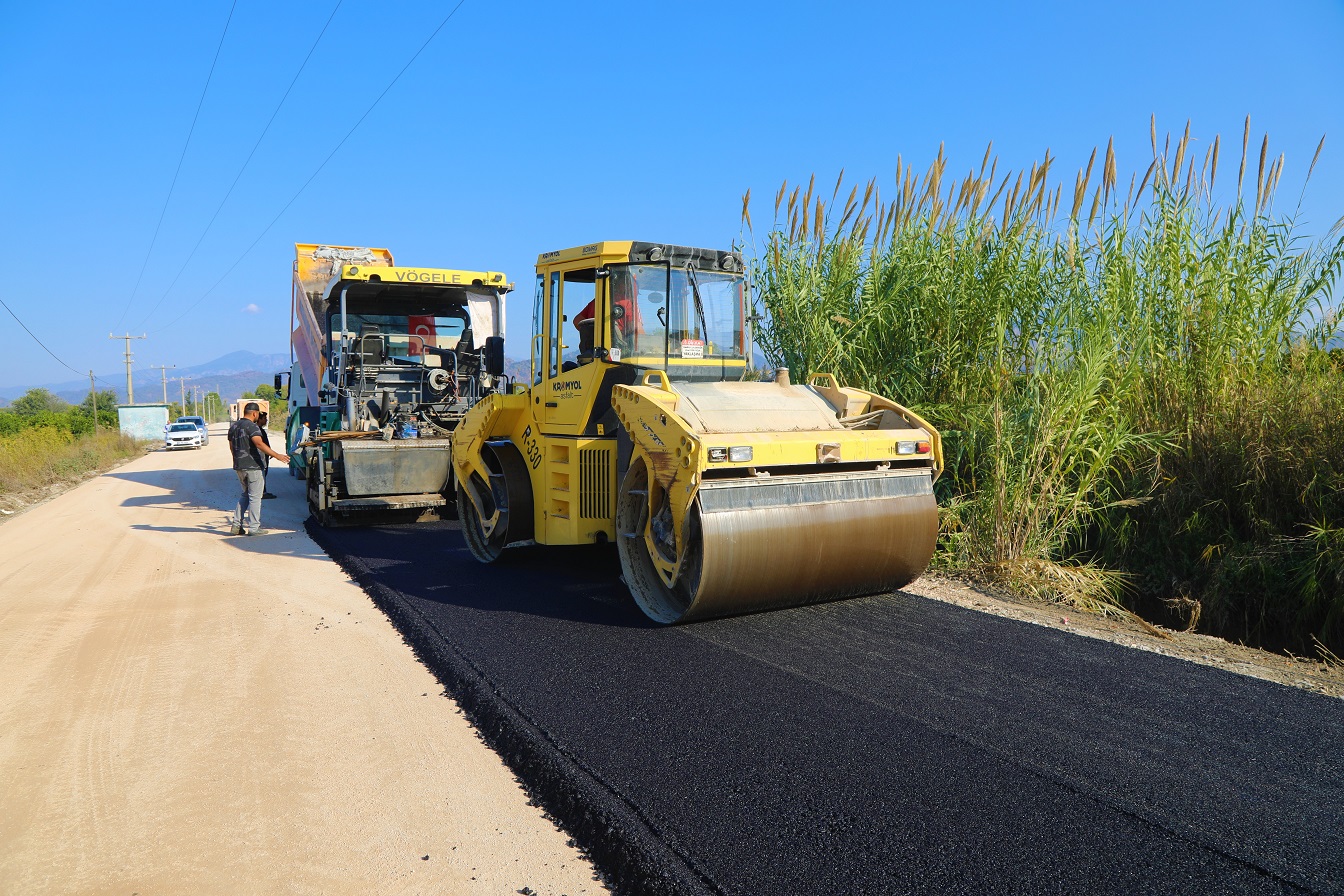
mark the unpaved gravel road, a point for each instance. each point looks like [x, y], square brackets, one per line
[182, 711]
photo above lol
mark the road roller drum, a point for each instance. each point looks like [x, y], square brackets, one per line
[764, 544]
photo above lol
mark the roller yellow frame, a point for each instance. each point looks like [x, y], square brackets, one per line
[723, 495]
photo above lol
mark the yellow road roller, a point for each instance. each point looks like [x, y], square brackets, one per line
[639, 426]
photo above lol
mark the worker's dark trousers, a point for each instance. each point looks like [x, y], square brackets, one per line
[249, 502]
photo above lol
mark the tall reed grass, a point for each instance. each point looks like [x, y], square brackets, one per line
[1133, 380]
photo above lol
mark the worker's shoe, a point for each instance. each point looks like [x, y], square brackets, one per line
[268, 495]
[260, 532]
[236, 530]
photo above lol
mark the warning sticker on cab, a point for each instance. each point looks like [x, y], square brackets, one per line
[692, 348]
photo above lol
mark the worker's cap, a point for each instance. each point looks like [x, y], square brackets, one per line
[250, 407]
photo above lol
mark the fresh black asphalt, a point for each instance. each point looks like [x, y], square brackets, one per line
[889, 744]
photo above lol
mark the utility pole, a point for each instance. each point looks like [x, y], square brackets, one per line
[163, 374]
[93, 399]
[183, 381]
[130, 390]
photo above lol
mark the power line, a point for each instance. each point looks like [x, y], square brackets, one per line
[246, 162]
[201, 102]
[318, 170]
[47, 350]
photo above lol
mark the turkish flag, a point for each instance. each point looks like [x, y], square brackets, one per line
[421, 325]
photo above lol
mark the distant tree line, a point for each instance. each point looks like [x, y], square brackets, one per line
[39, 407]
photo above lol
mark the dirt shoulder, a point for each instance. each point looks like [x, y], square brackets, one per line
[1311, 675]
[184, 711]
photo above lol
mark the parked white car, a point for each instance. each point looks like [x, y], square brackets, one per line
[182, 435]
[199, 423]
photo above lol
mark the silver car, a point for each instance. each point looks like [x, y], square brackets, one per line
[200, 424]
[182, 435]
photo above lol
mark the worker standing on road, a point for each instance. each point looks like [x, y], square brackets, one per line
[264, 423]
[249, 447]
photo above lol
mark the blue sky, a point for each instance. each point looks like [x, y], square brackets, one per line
[526, 127]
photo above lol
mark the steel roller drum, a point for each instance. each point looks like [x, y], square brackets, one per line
[762, 544]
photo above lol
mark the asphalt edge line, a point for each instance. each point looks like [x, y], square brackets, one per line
[627, 854]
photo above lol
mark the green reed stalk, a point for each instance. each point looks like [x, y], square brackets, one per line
[1122, 384]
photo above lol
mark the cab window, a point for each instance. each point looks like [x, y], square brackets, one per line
[554, 328]
[580, 316]
[538, 318]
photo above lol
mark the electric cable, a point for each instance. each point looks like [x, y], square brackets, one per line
[180, 159]
[317, 171]
[81, 373]
[246, 162]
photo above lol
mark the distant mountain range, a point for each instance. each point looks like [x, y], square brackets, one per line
[230, 375]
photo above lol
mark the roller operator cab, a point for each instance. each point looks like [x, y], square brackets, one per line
[387, 361]
[723, 495]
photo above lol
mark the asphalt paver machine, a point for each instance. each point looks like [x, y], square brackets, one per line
[640, 426]
[387, 360]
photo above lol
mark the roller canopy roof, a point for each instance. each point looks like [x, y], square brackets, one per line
[617, 252]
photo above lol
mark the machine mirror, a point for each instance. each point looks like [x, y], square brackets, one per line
[279, 379]
[494, 355]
